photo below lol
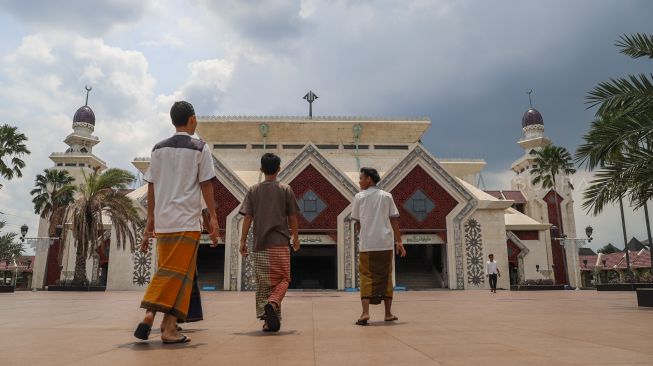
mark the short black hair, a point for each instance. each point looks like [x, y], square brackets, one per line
[372, 173]
[270, 163]
[181, 112]
[491, 255]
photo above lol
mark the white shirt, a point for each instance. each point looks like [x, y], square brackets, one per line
[373, 208]
[491, 267]
[177, 166]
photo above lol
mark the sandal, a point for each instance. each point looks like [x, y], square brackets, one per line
[362, 322]
[183, 339]
[271, 318]
[391, 319]
[143, 331]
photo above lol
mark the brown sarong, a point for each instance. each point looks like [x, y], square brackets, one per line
[272, 269]
[169, 291]
[376, 275]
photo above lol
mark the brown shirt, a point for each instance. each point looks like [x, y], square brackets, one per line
[270, 204]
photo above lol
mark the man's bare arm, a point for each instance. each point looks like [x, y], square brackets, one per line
[394, 221]
[149, 227]
[247, 222]
[214, 227]
[294, 228]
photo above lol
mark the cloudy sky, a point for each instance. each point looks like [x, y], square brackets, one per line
[465, 64]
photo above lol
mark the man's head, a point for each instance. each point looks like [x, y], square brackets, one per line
[368, 177]
[491, 256]
[270, 164]
[182, 115]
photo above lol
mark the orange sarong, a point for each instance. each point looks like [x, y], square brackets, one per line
[376, 275]
[169, 291]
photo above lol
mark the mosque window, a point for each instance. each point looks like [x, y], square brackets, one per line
[353, 147]
[83, 150]
[59, 164]
[261, 146]
[71, 164]
[311, 206]
[230, 146]
[391, 147]
[419, 205]
[328, 147]
[293, 146]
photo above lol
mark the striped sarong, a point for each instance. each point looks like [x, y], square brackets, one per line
[170, 288]
[272, 270]
[376, 275]
[195, 312]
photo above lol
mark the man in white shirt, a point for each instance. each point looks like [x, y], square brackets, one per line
[377, 222]
[179, 175]
[492, 273]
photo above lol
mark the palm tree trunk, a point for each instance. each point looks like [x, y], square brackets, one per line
[623, 226]
[648, 232]
[80, 266]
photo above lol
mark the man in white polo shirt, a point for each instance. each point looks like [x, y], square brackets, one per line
[492, 273]
[377, 221]
[179, 176]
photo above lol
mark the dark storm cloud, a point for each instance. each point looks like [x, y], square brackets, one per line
[85, 17]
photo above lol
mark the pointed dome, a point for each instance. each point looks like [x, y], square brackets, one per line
[84, 114]
[532, 117]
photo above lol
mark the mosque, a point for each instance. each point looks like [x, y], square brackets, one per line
[449, 225]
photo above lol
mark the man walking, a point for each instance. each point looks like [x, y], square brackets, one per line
[273, 207]
[179, 175]
[377, 221]
[492, 273]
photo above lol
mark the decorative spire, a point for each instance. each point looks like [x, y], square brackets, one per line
[88, 90]
[310, 98]
[530, 100]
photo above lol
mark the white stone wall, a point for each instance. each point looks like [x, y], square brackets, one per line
[493, 231]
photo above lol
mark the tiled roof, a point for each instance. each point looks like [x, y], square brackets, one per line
[639, 259]
[22, 264]
[516, 196]
[495, 194]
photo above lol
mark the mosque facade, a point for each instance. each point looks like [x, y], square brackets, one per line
[449, 225]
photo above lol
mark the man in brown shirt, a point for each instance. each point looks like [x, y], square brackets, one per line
[273, 207]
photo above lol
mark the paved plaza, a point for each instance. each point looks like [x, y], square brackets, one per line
[435, 328]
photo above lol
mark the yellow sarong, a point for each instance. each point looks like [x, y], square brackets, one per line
[375, 269]
[169, 291]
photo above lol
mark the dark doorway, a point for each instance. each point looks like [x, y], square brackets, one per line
[314, 267]
[422, 267]
[514, 273]
[210, 267]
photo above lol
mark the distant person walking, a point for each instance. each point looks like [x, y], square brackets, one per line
[377, 221]
[179, 175]
[273, 208]
[492, 273]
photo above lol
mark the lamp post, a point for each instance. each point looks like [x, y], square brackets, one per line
[577, 243]
[24, 229]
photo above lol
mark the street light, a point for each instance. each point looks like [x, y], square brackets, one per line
[23, 231]
[578, 242]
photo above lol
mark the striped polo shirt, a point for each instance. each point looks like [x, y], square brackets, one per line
[177, 167]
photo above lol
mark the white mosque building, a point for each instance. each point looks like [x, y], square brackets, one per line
[448, 223]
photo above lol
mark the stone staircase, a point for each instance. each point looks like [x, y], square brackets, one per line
[419, 280]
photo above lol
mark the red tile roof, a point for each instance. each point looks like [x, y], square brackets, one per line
[639, 259]
[495, 194]
[516, 196]
[22, 264]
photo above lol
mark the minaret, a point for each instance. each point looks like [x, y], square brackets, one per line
[79, 156]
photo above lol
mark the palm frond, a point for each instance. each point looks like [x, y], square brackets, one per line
[636, 45]
[623, 95]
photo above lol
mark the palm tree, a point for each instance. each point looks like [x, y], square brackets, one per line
[9, 249]
[100, 197]
[12, 148]
[53, 192]
[619, 145]
[551, 162]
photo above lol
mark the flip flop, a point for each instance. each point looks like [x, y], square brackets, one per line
[271, 317]
[183, 339]
[143, 331]
[391, 319]
[361, 322]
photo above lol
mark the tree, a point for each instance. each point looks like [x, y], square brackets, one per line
[100, 197]
[608, 249]
[12, 149]
[53, 192]
[551, 162]
[9, 249]
[619, 145]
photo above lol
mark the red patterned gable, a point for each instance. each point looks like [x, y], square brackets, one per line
[225, 202]
[418, 178]
[312, 179]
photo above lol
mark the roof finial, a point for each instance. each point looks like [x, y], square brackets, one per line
[88, 90]
[530, 101]
[310, 98]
